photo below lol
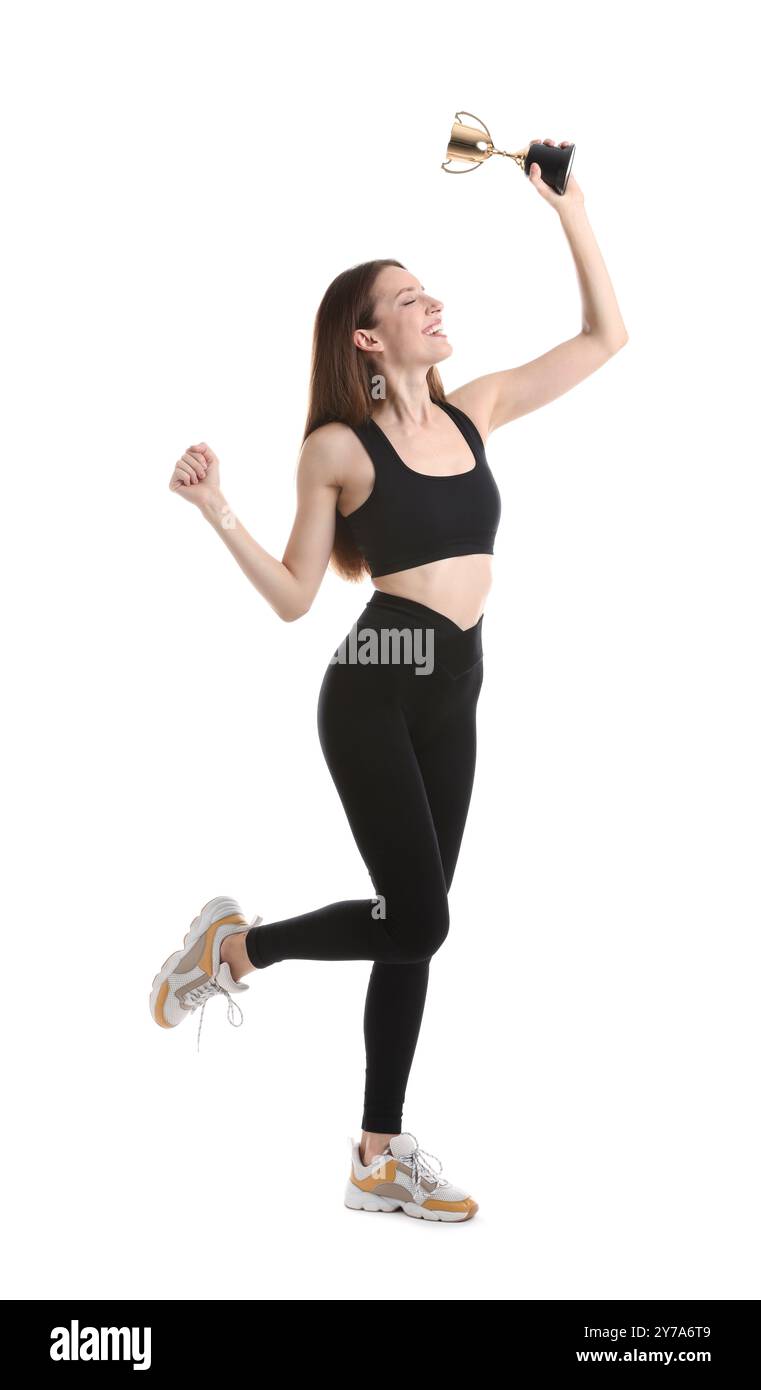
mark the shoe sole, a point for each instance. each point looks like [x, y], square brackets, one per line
[357, 1200]
[198, 926]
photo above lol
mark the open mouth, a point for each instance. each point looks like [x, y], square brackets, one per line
[435, 331]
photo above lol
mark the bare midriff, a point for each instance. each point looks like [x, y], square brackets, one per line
[457, 587]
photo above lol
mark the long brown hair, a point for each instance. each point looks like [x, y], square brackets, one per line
[340, 381]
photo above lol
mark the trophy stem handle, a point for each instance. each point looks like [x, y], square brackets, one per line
[520, 157]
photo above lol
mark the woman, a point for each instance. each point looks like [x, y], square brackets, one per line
[403, 493]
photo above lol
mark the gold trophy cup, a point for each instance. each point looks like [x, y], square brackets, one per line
[474, 146]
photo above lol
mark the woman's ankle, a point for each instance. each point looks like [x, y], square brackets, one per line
[372, 1144]
[233, 951]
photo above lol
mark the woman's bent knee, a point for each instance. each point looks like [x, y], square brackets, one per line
[418, 932]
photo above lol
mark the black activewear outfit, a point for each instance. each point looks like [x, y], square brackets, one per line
[397, 726]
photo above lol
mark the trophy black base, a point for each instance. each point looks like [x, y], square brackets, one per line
[554, 163]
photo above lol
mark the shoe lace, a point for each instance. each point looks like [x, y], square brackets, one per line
[421, 1168]
[203, 993]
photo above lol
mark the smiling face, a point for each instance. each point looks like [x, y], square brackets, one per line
[407, 319]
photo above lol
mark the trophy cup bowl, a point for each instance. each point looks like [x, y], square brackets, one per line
[473, 145]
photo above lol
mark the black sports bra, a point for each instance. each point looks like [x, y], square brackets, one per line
[413, 518]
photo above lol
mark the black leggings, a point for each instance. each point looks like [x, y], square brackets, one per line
[401, 749]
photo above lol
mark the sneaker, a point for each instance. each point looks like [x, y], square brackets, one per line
[194, 974]
[402, 1177]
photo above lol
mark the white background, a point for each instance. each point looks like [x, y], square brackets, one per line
[180, 185]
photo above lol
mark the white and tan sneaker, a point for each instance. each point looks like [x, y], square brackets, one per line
[402, 1178]
[194, 974]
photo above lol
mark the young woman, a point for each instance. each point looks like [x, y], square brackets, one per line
[403, 492]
